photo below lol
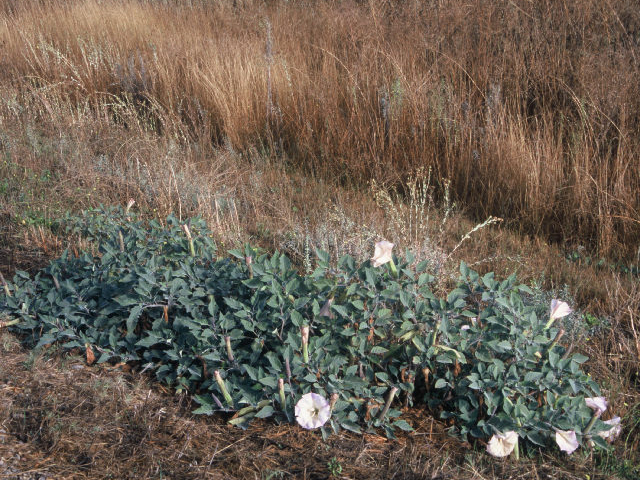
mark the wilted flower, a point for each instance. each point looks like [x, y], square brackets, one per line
[465, 327]
[566, 440]
[597, 404]
[502, 444]
[615, 430]
[382, 253]
[312, 411]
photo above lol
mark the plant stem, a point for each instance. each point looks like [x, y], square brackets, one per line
[387, 405]
[590, 424]
[392, 267]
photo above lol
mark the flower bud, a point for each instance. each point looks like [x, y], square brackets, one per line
[333, 400]
[223, 388]
[304, 333]
[227, 341]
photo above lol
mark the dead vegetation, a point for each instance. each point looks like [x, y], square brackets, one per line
[529, 108]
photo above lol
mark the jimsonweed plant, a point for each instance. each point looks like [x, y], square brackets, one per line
[346, 347]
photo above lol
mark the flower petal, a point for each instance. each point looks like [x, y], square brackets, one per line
[567, 441]
[502, 444]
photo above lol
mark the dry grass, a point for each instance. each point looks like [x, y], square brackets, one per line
[532, 109]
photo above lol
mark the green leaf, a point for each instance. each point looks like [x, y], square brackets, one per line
[579, 358]
[351, 426]
[132, 321]
[322, 256]
[269, 382]
[265, 412]
[297, 319]
[441, 383]
[376, 350]
[403, 425]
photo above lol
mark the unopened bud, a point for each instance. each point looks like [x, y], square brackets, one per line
[223, 388]
[249, 261]
[283, 399]
[304, 332]
[325, 311]
[4, 285]
[333, 400]
[287, 367]
[227, 341]
[187, 232]
[130, 204]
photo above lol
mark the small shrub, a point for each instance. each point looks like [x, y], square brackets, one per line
[229, 331]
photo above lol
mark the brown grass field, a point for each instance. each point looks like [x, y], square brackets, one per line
[298, 124]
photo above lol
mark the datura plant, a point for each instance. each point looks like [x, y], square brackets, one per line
[245, 333]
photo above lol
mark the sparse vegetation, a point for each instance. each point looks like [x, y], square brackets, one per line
[333, 124]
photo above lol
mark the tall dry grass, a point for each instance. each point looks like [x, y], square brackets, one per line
[531, 109]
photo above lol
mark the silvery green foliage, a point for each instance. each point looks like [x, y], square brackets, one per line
[479, 357]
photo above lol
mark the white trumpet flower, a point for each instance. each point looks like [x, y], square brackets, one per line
[559, 309]
[312, 411]
[597, 404]
[382, 253]
[567, 441]
[502, 444]
[615, 430]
